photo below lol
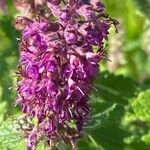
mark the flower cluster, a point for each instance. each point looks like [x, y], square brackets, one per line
[58, 60]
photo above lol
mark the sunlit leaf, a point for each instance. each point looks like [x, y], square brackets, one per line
[141, 105]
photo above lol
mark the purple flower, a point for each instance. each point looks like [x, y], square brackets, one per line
[57, 66]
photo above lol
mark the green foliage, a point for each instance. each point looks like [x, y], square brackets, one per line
[105, 130]
[99, 120]
[113, 87]
[141, 105]
[8, 59]
[10, 138]
[136, 120]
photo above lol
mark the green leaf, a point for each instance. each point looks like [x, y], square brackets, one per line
[9, 136]
[141, 105]
[136, 121]
[146, 138]
[109, 132]
[113, 88]
[100, 119]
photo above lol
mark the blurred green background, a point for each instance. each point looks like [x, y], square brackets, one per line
[121, 102]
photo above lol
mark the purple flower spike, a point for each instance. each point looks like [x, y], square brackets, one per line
[59, 58]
